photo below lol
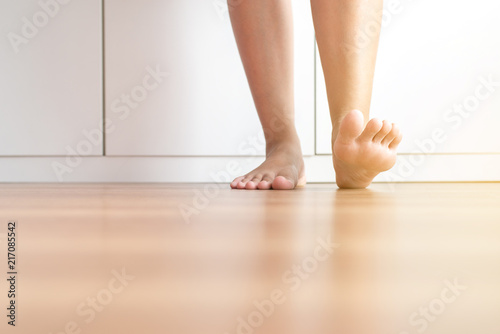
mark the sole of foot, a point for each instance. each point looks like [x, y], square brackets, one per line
[362, 152]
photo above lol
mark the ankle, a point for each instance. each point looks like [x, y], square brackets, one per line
[283, 136]
[282, 140]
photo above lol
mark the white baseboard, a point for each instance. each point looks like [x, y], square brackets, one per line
[409, 168]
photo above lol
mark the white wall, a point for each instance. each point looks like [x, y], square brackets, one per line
[432, 57]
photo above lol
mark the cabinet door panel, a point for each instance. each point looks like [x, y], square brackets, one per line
[51, 77]
[203, 106]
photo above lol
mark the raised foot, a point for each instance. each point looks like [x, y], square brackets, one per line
[283, 169]
[361, 152]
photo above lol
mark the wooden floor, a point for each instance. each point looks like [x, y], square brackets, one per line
[156, 258]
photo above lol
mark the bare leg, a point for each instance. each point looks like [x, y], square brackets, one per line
[361, 149]
[264, 33]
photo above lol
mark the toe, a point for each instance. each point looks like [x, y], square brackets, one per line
[242, 184]
[394, 144]
[371, 129]
[237, 180]
[252, 184]
[266, 183]
[351, 126]
[384, 131]
[284, 181]
[391, 135]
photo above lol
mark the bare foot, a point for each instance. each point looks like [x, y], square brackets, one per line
[361, 153]
[283, 168]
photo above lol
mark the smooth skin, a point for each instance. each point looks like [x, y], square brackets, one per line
[264, 33]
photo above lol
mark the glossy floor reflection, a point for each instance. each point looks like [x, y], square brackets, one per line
[150, 258]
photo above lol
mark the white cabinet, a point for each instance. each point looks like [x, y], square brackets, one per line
[203, 106]
[434, 59]
[50, 82]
